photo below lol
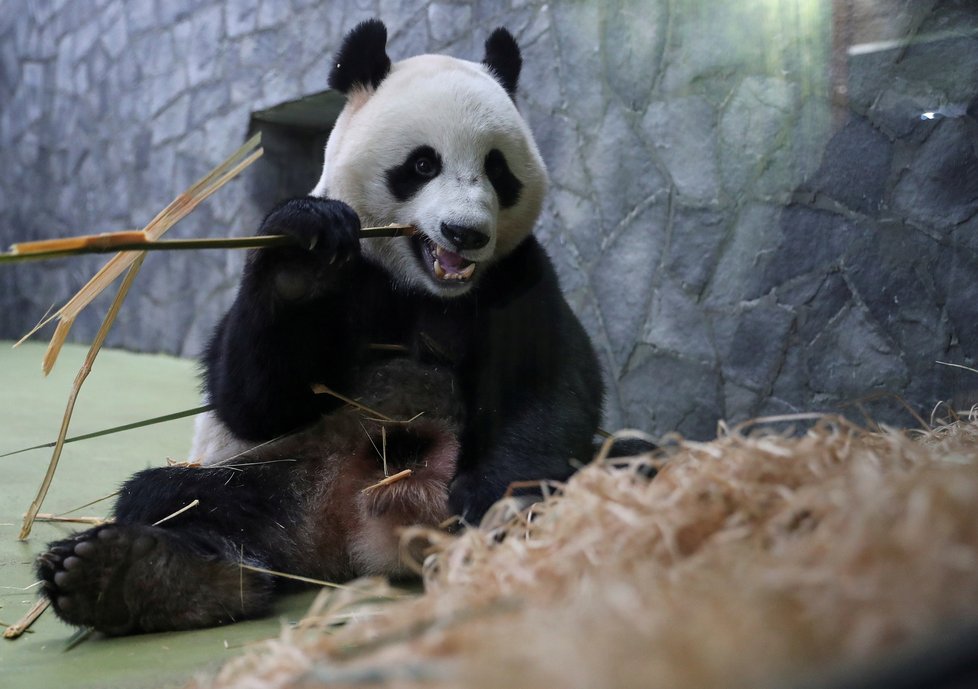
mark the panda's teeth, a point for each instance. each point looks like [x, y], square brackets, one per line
[440, 272]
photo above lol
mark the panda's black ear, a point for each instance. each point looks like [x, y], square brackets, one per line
[362, 59]
[503, 59]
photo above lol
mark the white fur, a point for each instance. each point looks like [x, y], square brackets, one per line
[461, 111]
[213, 441]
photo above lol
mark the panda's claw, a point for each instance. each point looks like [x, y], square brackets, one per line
[328, 228]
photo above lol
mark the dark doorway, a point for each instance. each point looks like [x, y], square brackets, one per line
[294, 136]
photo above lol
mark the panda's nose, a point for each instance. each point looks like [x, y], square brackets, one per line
[464, 238]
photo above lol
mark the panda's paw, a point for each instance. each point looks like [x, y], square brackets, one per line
[328, 228]
[86, 577]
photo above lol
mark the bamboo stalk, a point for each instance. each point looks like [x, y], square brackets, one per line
[106, 243]
[86, 368]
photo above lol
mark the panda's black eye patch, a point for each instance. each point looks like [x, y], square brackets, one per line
[422, 165]
[503, 180]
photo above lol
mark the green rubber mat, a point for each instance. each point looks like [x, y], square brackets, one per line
[123, 387]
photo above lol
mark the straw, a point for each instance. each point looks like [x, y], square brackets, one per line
[756, 559]
[178, 209]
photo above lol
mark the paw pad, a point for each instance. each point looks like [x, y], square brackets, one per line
[85, 576]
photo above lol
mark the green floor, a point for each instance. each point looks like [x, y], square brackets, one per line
[123, 387]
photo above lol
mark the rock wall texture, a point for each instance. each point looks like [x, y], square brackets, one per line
[766, 206]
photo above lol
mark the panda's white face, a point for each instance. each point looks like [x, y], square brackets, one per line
[438, 145]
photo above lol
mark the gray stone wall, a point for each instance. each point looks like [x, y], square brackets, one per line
[750, 211]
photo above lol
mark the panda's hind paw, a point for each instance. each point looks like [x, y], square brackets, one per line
[85, 576]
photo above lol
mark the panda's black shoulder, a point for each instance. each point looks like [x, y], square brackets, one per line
[529, 255]
[527, 269]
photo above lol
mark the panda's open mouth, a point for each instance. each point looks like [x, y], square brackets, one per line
[444, 265]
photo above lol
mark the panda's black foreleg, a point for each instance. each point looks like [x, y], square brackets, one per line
[287, 327]
[146, 573]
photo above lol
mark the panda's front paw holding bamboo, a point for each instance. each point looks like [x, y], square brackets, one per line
[327, 234]
[327, 228]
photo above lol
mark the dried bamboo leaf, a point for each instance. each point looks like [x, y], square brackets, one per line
[86, 368]
[164, 220]
[57, 342]
[118, 429]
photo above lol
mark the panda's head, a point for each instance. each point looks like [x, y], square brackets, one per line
[437, 143]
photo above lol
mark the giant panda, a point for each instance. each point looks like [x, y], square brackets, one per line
[436, 143]
[469, 305]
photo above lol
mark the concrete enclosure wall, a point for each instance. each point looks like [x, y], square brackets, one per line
[758, 207]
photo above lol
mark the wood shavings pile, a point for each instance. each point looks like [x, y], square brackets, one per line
[750, 560]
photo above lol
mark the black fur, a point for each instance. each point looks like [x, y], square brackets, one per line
[529, 377]
[503, 59]
[294, 505]
[362, 60]
[274, 341]
[421, 166]
[506, 184]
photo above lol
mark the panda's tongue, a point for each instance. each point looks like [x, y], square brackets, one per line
[449, 260]
[450, 264]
